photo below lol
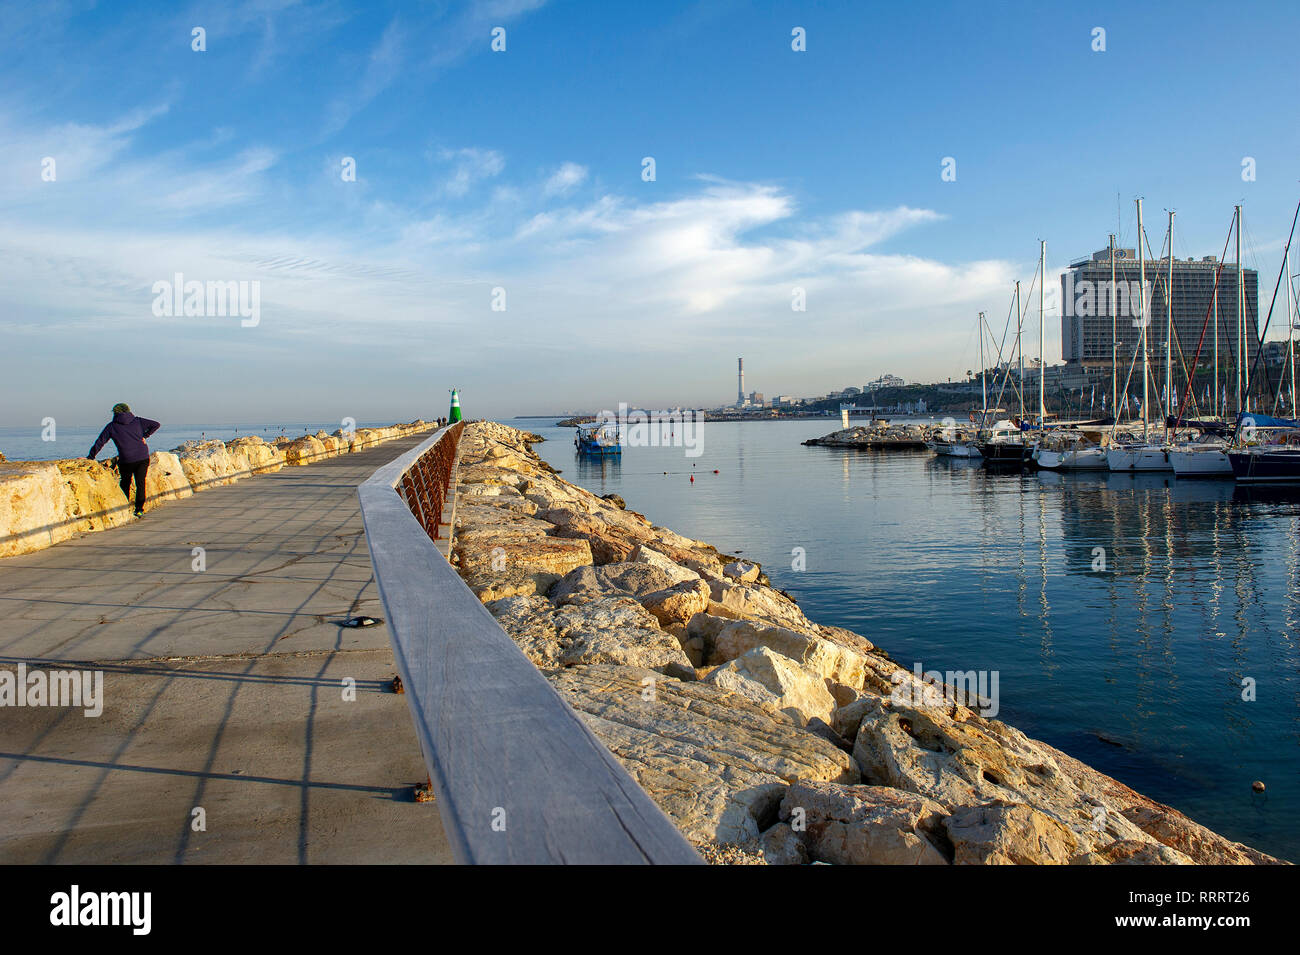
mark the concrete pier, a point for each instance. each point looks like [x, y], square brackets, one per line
[224, 687]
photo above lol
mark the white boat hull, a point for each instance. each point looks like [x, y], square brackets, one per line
[1074, 459]
[1208, 462]
[954, 449]
[1141, 458]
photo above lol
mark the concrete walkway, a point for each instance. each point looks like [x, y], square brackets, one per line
[223, 687]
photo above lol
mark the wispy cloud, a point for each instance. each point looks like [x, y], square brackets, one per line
[564, 179]
[470, 166]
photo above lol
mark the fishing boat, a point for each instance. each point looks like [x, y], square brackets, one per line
[598, 440]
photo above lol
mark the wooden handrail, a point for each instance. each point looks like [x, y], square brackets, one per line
[518, 775]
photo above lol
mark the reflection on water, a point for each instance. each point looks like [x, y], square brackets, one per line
[594, 471]
[1123, 612]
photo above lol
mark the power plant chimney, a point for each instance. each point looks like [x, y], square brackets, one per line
[740, 381]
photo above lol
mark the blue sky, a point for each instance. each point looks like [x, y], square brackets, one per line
[522, 170]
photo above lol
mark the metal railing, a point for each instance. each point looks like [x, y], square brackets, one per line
[518, 775]
[424, 485]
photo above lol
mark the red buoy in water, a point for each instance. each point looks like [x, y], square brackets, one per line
[692, 478]
[715, 470]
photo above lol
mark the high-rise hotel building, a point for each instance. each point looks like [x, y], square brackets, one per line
[1086, 309]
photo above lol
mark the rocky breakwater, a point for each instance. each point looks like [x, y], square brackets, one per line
[764, 735]
[45, 502]
[906, 437]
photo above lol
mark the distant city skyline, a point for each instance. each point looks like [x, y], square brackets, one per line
[412, 210]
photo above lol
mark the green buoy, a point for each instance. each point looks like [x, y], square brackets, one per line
[454, 414]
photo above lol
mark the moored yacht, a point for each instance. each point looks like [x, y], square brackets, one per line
[1138, 456]
[1005, 444]
[953, 443]
[1205, 457]
[1071, 451]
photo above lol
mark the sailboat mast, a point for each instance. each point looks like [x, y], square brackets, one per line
[1042, 357]
[1290, 329]
[1218, 407]
[1020, 351]
[1169, 329]
[984, 386]
[1142, 319]
[1114, 339]
[1241, 317]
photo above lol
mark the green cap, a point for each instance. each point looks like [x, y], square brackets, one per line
[121, 406]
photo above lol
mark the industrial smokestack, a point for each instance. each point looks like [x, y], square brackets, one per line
[740, 381]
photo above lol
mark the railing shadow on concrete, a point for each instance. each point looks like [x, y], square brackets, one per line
[518, 775]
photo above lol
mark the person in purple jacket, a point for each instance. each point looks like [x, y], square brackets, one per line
[128, 433]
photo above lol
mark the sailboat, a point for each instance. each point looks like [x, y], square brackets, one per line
[1272, 453]
[957, 443]
[1080, 450]
[1006, 444]
[1207, 456]
[1070, 450]
[1144, 455]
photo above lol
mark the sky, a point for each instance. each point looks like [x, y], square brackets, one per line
[501, 234]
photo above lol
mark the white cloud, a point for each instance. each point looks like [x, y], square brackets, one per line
[614, 289]
[564, 179]
[470, 166]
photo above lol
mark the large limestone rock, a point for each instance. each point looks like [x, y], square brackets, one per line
[609, 544]
[480, 553]
[675, 572]
[613, 630]
[165, 480]
[92, 496]
[252, 455]
[958, 758]
[489, 585]
[716, 764]
[726, 639]
[741, 572]
[1008, 834]
[767, 677]
[207, 464]
[783, 846]
[609, 580]
[31, 507]
[760, 604]
[306, 450]
[866, 825]
[676, 605]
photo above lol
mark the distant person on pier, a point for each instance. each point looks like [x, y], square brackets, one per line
[128, 433]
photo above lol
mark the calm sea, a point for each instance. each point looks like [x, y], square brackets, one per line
[1137, 669]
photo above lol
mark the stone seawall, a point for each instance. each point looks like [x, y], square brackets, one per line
[766, 736]
[45, 502]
